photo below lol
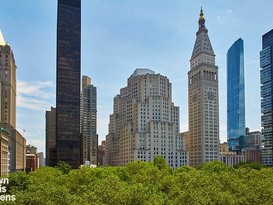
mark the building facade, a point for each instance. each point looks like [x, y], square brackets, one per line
[236, 97]
[266, 73]
[7, 84]
[145, 122]
[223, 147]
[31, 158]
[231, 158]
[101, 153]
[253, 139]
[252, 154]
[40, 159]
[4, 152]
[89, 121]
[31, 162]
[51, 155]
[203, 100]
[186, 139]
[17, 143]
[68, 139]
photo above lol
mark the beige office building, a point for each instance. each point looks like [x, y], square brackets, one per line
[145, 122]
[89, 121]
[223, 147]
[8, 84]
[203, 100]
[17, 143]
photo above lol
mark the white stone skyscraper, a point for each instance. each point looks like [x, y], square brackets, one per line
[145, 122]
[203, 100]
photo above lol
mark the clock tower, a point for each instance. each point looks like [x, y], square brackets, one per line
[203, 100]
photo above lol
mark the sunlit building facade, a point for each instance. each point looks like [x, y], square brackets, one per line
[203, 100]
[7, 84]
[89, 121]
[145, 122]
[17, 143]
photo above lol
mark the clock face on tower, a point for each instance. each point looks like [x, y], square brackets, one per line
[210, 95]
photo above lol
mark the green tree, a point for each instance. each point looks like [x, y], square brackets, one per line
[64, 167]
[214, 166]
[251, 165]
[161, 164]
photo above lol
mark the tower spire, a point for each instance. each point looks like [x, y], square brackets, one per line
[2, 41]
[201, 20]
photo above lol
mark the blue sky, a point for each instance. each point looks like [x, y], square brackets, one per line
[119, 36]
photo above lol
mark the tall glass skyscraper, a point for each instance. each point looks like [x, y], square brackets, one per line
[266, 64]
[236, 96]
[68, 140]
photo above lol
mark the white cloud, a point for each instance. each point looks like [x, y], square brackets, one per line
[228, 11]
[35, 95]
[224, 13]
[35, 88]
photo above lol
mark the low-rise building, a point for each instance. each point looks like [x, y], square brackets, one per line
[231, 158]
[31, 162]
[252, 154]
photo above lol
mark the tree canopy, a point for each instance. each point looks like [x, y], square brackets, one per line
[140, 183]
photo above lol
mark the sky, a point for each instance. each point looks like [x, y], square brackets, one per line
[118, 36]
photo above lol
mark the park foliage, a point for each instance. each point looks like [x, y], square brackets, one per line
[141, 183]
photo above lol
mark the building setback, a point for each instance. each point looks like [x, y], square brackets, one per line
[89, 121]
[236, 97]
[145, 122]
[266, 78]
[203, 100]
[68, 140]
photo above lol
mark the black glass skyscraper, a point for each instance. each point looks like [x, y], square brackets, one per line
[68, 140]
[236, 97]
[266, 63]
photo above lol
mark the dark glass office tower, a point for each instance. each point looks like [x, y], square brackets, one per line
[266, 78]
[68, 140]
[236, 97]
